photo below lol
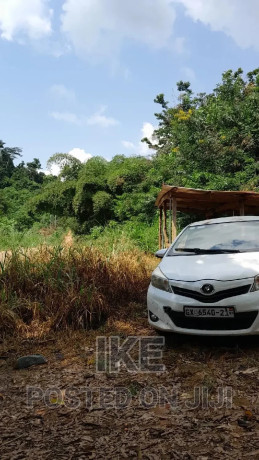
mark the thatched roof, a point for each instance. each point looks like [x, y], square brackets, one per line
[208, 201]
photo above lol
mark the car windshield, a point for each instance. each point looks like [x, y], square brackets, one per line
[224, 237]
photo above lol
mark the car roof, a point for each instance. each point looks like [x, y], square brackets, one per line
[225, 219]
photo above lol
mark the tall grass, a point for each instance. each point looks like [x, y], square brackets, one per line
[126, 236]
[123, 236]
[50, 288]
[10, 238]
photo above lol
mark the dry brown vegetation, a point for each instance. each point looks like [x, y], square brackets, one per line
[69, 287]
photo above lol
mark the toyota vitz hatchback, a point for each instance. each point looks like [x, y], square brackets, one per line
[208, 280]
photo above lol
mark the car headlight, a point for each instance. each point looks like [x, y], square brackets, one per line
[255, 286]
[159, 280]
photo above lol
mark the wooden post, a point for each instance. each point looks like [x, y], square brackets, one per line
[171, 221]
[166, 241]
[242, 208]
[160, 229]
[174, 210]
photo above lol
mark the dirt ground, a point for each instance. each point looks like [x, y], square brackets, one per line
[72, 411]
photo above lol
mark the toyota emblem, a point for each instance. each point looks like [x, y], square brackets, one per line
[207, 289]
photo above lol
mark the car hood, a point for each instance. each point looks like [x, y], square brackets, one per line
[220, 267]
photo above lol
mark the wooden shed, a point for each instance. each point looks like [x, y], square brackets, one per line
[206, 203]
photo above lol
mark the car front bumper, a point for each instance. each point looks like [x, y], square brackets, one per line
[169, 309]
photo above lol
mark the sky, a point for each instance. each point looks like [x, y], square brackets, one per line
[80, 76]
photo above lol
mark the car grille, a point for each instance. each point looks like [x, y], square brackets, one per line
[243, 320]
[212, 297]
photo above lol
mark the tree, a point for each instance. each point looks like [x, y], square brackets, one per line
[68, 165]
[124, 174]
[213, 140]
[7, 157]
[102, 207]
[55, 198]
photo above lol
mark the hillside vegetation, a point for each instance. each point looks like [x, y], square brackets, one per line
[204, 141]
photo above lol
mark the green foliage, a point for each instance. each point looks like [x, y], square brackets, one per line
[214, 138]
[124, 174]
[92, 178]
[102, 206]
[69, 165]
[123, 236]
[208, 141]
[55, 198]
[7, 157]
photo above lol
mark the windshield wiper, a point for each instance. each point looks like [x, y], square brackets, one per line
[208, 251]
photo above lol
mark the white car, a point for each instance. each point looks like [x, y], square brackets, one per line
[208, 280]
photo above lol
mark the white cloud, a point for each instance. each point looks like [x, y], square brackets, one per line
[62, 92]
[141, 148]
[80, 154]
[128, 145]
[97, 119]
[68, 117]
[188, 73]
[148, 132]
[54, 170]
[179, 45]
[29, 18]
[97, 28]
[236, 18]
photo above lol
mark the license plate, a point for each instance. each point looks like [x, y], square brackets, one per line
[208, 312]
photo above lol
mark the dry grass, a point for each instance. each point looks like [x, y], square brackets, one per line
[71, 287]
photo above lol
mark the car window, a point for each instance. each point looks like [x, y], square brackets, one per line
[240, 236]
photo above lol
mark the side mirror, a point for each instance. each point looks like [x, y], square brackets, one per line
[160, 254]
